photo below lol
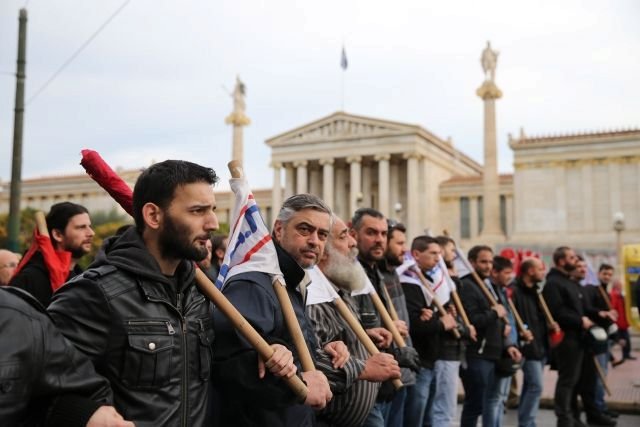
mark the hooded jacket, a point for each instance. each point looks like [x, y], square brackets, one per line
[148, 334]
[526, 302]
[564, 298]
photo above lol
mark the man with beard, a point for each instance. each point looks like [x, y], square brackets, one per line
[492, 330]
[70, 230]
[564, 298]
[525, 299]
[369, 228]
[247, 396]
[393, 258]
[353, 401]
[137, 312]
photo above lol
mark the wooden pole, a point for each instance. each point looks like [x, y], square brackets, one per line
[246, 330]
[436, 302]
[460, 307]
[601, 375]
[235, 167]
[516, 315]
[357, 328]
[545, 309]
[605, 297]
[41, 223]
[387, 321]
[392, 309]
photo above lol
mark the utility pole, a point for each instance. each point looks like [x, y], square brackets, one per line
[18, 125]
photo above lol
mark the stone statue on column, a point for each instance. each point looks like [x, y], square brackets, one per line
[489, 61]
[238, 119]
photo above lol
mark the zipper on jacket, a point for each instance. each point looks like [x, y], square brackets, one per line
[170, 328]
[185, 371]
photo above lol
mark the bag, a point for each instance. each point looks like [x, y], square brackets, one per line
[506, 366]
[597, 340]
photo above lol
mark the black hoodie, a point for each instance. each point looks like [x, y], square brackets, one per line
[151, 341]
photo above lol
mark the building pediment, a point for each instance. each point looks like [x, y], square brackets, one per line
[339, 126]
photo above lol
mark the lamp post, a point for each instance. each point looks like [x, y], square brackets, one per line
[618, 226]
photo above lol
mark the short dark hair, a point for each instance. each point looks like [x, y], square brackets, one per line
[526, 265]
[559, 254]
[421, 243]
[604, 266]
[475, 251]
[60, 214]
[445, 240]
[157, 184]
[501, 263]
[217, 242]
[393, 225]
[356, 220]
[300, 202]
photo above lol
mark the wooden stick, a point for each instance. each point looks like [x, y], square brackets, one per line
[545, 309]
[392, 309]
[241, 325]
[436, 302]
[235, 167]
[519, 321]
[460, 307]
[357, 328]
[41, 223]
[601, 375]
[605, 297]
[387, 321]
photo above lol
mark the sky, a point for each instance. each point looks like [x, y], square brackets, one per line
[155, 83]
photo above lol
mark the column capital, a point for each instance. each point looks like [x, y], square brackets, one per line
[275, 165]
[354, 159]
[379, 157]
[300, 163]
[327, 161]
[413, 155]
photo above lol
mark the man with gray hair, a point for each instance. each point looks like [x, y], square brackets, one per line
[248, 395]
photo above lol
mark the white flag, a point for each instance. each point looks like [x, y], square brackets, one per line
[368, 286]
[407, 274]
[461, 264]
[250, 247]
[439, 286]
[320, 290]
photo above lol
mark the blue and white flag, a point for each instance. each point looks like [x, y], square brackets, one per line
[440, 286]
[343, 60]
[250, 247]
[407, 274]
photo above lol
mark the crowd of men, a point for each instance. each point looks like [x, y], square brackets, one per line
[132, 340]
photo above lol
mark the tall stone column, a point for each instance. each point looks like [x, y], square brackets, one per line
[327, 181]
[276, 192]
[355, 179]
[238, 119]
[290, 179]
[314, 180]
[301, 176]
[413, 195]
[341, 199]
[366, 185]
[489, 92]
[384, 179]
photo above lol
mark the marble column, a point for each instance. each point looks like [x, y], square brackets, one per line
[491, 231]
[473, 217]
[276, 192]
[414, 228]
[315, 182]
[290, 179]
[588, 208]
[383, 183]
[327, 181]
[355, 179]
[395, 197]
[366, 185]
[341, 201]
[301, 176]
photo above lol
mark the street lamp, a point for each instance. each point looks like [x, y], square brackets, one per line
[618, 226]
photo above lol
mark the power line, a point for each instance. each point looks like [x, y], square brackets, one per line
[77, 52]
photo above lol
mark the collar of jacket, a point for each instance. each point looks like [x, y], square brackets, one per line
[291, 270]
[555, 272]
[524, 288]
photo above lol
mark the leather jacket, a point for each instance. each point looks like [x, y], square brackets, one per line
[148, 334]
[43, 377]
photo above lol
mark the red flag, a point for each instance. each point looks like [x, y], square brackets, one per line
[58, 263]
[106, 177]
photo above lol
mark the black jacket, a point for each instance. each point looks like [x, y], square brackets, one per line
[489, 326]
[594, 302]
[34, 278]
[150, 335]
[244, 398]
[42, 375]
[452, 348]
[564, 298]
[425, 334]
[526, 302]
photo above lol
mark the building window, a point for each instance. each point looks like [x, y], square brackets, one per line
[503, 214]
[480, 215]
[465, 218]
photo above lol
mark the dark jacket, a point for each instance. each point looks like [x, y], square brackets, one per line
[425, 334]
[34, 278]
[564, 298]
[489, 326]
[526, 302]
[594, 302]
[42, 375]
[150, 335]
[245, 399]
[452, 348]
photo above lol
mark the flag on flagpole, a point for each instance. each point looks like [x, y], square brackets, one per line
[461, 264]
[407, 274]
[591, 279]
[440, 286]
[450, 283]
[250, 247]
[321, 290]
[343, 59]
[368, 286]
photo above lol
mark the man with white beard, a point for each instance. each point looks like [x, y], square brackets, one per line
[338, 266]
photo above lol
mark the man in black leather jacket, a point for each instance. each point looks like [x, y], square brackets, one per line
[137, 312]
[43, 378]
